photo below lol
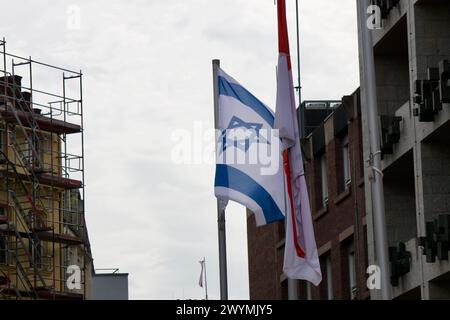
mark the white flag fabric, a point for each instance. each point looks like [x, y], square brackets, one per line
[249, 168]
[301, 259]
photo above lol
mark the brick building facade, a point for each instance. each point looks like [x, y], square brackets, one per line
[335, 175]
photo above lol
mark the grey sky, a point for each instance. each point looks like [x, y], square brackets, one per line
[147, 67]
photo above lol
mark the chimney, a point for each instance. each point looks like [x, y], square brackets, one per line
[25, 104]
[13, 85]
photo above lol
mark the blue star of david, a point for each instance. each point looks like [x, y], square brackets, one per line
[242, 144]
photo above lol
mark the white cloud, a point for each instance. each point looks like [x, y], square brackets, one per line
[147, 67]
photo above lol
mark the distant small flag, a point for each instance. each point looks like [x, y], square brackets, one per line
[200, 281]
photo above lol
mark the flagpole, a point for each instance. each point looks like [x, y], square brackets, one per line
[368, 64]
[293, 283]
[206, 281]
[302, 111]
[220, 207]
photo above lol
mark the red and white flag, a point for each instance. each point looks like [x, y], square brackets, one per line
[301, 260]
[200, 282]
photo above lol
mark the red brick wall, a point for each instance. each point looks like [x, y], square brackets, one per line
[345, 210]
[262, 260]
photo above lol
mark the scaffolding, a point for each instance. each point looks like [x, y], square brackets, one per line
[43, 240]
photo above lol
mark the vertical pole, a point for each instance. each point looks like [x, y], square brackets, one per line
[368, 64]
[293, 283]
[5, 154]
[220, 207]
[63, 171]
[82, 216]
[293, 289]
[302, 111]
[206, 281]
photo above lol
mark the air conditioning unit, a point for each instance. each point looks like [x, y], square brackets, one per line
[390, 133]
[430, 94]
[400, 260]
[436, 243]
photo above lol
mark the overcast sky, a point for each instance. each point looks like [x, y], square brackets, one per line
[147, 73]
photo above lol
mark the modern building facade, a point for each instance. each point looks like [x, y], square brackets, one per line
[411, 52]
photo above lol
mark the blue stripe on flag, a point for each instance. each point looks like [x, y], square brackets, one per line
[240, 93]
[229, 177]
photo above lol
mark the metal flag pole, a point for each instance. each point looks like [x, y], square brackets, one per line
[206, 281]
[302, 111]
[293, 283]
[220, 206]
[368, 64]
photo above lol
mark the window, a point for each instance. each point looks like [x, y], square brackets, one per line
[346, 162]
[361, 156]
[44, 150]
[352, 270]
[284, 290]
[67, 261]
[27, 154]
[3, 249]
[3, 240]
[324, 179]
[329, 278]
[36, 252]
[1, 139]
[281, 230]
[31, 151]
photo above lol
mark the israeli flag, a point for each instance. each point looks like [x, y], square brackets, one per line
[249, 166]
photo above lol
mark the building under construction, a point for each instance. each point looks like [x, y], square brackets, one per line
[44, 249]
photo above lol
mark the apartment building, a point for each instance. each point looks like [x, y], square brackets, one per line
[44, 249]
[412, 50]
